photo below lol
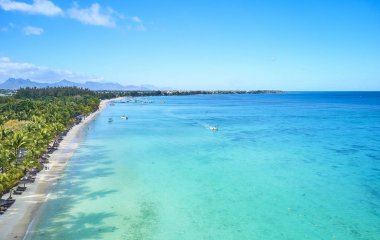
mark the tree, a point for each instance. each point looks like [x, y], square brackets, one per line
[15, 144]
[4, 132]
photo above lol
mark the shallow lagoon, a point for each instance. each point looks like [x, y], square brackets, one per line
[285, 166]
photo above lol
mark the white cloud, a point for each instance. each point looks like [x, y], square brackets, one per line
[29, 30]
[136, 19]
[94, 15]
[43, 7]
[136, 24]
[12, 69]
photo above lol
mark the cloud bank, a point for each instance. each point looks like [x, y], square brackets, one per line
[94, 15]
[42, 7]
[13, 69]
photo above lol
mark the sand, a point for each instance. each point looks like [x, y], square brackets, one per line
[15, 221]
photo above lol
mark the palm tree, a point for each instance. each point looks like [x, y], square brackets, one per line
[15, 144]
[4, 132]
[4, 158]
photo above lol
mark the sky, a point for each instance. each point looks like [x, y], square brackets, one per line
[198, 44]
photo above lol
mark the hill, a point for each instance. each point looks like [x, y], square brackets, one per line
[16, 83]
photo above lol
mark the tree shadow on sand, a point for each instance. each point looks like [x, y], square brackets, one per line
[61, 221]
[61, 217]
[76, 226]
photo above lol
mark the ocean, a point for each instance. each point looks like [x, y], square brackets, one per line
[299, 165]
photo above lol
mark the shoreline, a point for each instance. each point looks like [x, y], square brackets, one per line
[15, 222]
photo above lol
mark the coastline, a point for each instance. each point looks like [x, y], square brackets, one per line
[15, 222]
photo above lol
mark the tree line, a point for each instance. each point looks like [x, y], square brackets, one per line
[30, 120]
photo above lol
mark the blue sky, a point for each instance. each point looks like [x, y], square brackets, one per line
[199, 44]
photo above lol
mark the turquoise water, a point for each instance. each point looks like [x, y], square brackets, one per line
[289, 166]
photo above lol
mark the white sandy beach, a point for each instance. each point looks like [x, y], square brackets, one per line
[15, 221]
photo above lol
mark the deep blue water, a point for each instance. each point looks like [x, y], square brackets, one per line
[282, 166]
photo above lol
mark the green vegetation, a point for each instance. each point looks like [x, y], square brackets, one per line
[114, 94]
[6, 92]
[31, 120]
[53, 92]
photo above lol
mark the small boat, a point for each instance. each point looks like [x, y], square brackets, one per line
[213, 128]
[110, 120]
[124, 117]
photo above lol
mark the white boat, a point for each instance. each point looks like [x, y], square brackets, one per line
[213, 128]
[124, 117]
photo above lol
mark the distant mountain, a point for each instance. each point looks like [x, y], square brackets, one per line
[64, 83]
[13, 83]
[152, 87]
[107, 86]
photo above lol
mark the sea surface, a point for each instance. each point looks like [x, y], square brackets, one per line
[282, 166]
